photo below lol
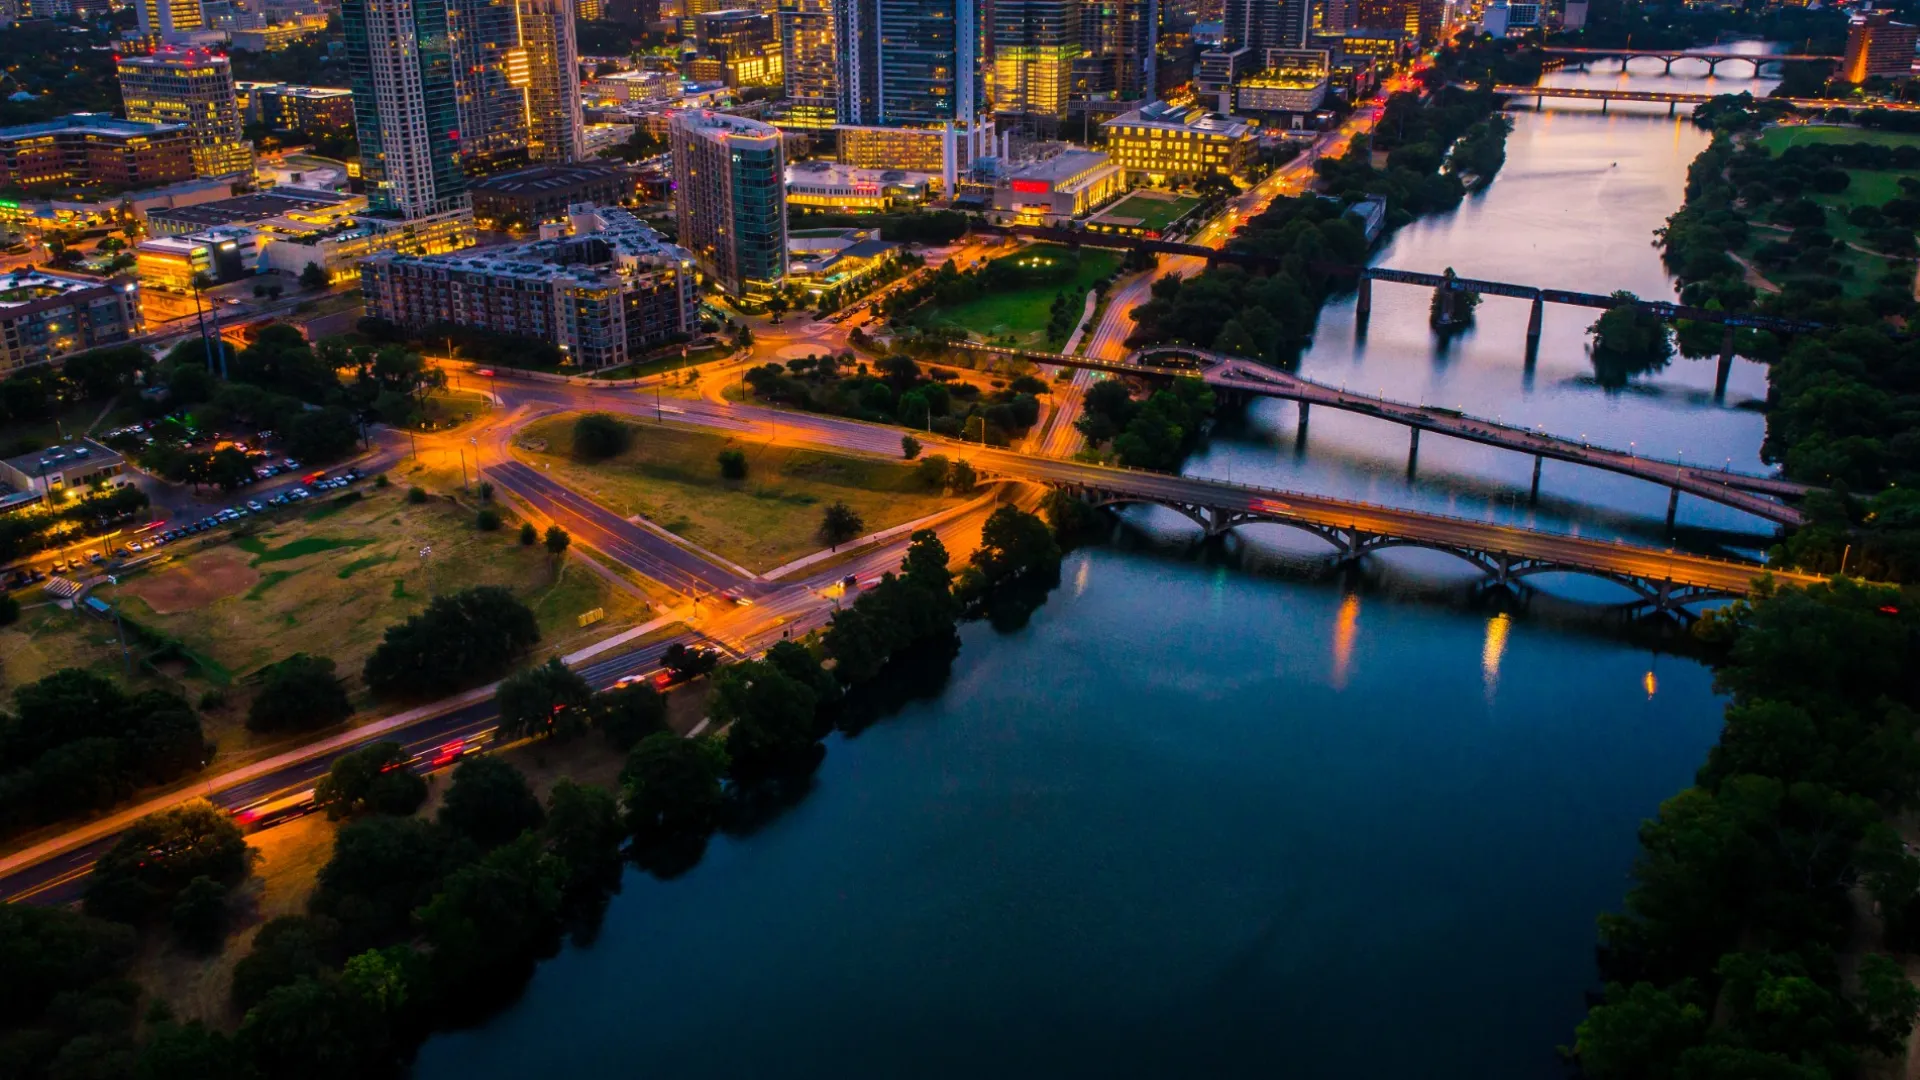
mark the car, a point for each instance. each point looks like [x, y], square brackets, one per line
[59, 566]
[299, 493]
[278, 500]
[850, 582]
[95, 557]
[289, 463]
[134, 548]
[254, 505]
[484, 372]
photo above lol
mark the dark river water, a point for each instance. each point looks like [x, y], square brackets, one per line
[1210, 813]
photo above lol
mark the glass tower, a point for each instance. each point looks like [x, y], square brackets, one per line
[400, 61]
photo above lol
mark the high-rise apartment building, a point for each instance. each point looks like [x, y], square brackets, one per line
[190, 86]
[160, 20]
[806, 45]
[1034, 45]
[554, 126]
[1878, 48]
[915, 63]
[490, 80]
[404, 105]
[730, 198]
[1259, 25]
[1127, 32]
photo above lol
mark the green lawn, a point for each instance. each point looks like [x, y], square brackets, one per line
[1155, 214]
[1779, 138]
[1022, 313]
[670, 476]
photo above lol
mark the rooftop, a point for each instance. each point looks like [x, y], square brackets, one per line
[605, 235]
[65, 455]
[23, 287]
[548, 177]
[1064, 165]
[1172, 117]
[830, 172]
[89, 124]
[256, 207]
[707, 120]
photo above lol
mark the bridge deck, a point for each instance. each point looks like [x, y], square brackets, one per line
[1237, 373]
[1672, 97]
[1558, 551]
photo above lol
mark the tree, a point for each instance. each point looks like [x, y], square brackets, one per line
[528, 534]
[156, 857]
[492, 920]
[190, 1051]
[733, 464]
[300, 693]
[840, 523]
[961, 478]
[460, 639]
[1638, 1033]
[584, 829]
[769, 717]
[597, 436]
[547, 700]
[381, 870]
[909, 447]
[932, 470]
[489, 802]
[627, 714]
[671, 786]
[778, 305]
[199, 914]
[1014, 542]
[685, 663]
[316, 1029]
[557, 541]
[372, 779]
[314, 276]
[286, 949]
[487, 519]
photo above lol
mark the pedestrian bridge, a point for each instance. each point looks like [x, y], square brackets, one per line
[1656, 580]
[1713, 58]
[1240, 376]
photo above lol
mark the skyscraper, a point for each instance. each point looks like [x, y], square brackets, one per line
[1034, 46]
[404, 105]
[194, 87]
[554, 126]
[807, 42]
[1878, 47]
[490, 79]
[161, 19]
[1127, 32]
[909, 61]
[730, 198]
[1259, 25]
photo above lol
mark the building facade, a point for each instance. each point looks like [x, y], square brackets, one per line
[1057, 188]
[604, 296]
[95, 149]
[489, 83]
[44, 315]
[1125, 34]
[1878, 48]
[1160, 140]
[730, 198]
[909, 61]
[1259, 25]
[809, 67]
[404, 105]
[829, 186]
[312, 109]
[161, 20]
[1035, 43]
[193, 87]
[554, 126]
[544, 192]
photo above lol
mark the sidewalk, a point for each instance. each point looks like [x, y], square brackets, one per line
[881, 537]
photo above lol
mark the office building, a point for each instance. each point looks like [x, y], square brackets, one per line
[1124, 35]
[1064, 184]
[554, 126]
[1259, 25]
[1420, 20]
[742, 46]
[1878, 48]
[163, 20]
[58, 472]
[730, 198]
[489, 83]
[1035, 43]
[273, 37]
[404, 106]
[543, 193]
[605, 295]
[95, 150]
[1160, 140]
[1291, 82]
[311, 109]
[916, 63]
[828, 186]
[913, 149]
[44, 315]
[194, 87]
[807, 59]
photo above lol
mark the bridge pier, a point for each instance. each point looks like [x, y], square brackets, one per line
[1673, 505]
[1413, 451]
[1671, 106]
[1533, 496]
[1363, 304]
[1535, 318]
[1300, 433]
[1604, 103]
[1725, 369]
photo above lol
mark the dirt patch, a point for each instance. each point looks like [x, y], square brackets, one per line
[190, 584]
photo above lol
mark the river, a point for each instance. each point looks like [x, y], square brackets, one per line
[1197, 820]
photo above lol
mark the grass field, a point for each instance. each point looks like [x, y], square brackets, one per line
[1022, 313]
[1155, 214]
[669, 476]
[1779, 138]
[332, 579]
[46, 639]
